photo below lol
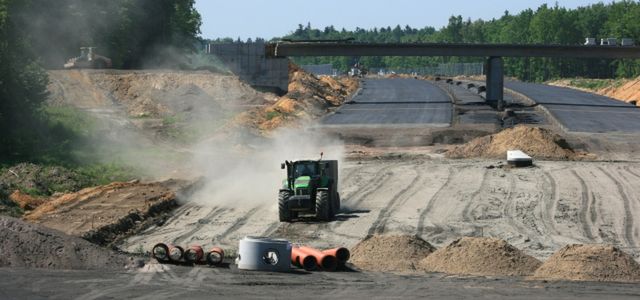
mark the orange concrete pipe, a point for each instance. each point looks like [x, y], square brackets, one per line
[326, 262]
[194, 254]
[342, 254]
[303, 259]
[160, 252]
[175, 252]
[215, 256]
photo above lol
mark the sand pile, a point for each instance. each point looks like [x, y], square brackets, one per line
[26, 245]
[480, 256]
[590, 263]
[390, 253]
[536, 142]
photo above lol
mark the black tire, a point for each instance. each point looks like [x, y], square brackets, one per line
[323, 206]
[336, 203]
[283, 207]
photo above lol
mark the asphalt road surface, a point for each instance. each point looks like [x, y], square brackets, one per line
[395, 102]
[579, 111]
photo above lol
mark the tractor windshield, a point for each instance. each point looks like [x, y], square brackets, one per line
[305, 169]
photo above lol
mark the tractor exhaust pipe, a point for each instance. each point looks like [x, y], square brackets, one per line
[327, 262]
[341, 254]
[302, 259]
[194, 254]
[215, 256]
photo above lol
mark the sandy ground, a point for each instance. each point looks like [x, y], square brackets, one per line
[538, 210]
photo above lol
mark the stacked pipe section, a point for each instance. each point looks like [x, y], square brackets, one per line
[194, 254]
[311, 259]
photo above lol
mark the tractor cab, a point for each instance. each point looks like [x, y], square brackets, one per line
[310, 188]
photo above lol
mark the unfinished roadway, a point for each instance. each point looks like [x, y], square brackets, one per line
[581, 112]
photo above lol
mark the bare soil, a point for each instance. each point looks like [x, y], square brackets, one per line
[25, 245]
[104, 214]
[480, 256]
[590, 263]
[393, 253]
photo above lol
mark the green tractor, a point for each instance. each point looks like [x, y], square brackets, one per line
[311, 187]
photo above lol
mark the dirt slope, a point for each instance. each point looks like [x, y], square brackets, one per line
[628, 92]
[105, 213]
[27, 245]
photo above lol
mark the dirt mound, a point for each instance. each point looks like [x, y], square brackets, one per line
[107, 213]
[590, 263]
[536, 142]
[480, 256]
[41, 180]
[27, 245]
[391, 253]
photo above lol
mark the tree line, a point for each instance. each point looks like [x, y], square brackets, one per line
[544, 25]
[39, 34]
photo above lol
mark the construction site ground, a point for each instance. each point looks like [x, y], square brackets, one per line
[392, 188]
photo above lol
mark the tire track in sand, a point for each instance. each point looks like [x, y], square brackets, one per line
[378, 226]
[466, 212]
[215, 211]
[583, 214]
[372, 186]
[550, 204]
[627, 222]
[237, 224]
[509, 211]
[432, 201]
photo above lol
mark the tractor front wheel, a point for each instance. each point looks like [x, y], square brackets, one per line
[323, 207]
[283, 206]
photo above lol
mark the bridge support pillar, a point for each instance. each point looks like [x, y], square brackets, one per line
[495, 81]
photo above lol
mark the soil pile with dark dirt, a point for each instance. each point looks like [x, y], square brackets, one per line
[482, 257]
[536, 142]
[590, 263]
[393, 253]
[24, 245]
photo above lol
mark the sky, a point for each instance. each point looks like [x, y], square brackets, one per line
[275, 18]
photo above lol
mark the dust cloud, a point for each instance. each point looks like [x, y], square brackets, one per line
[249, 173]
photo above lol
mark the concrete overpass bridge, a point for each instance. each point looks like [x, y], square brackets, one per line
[493, 52]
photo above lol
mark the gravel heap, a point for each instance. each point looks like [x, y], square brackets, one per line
[590, 263]
[391, 253]
[482, 257]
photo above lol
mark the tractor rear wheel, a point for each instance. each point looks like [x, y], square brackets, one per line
[283, 206]
[336, 204]
[323, 207]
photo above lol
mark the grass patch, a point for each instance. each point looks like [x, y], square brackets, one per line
[101, 174]
[595, 84]
[273, 114]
